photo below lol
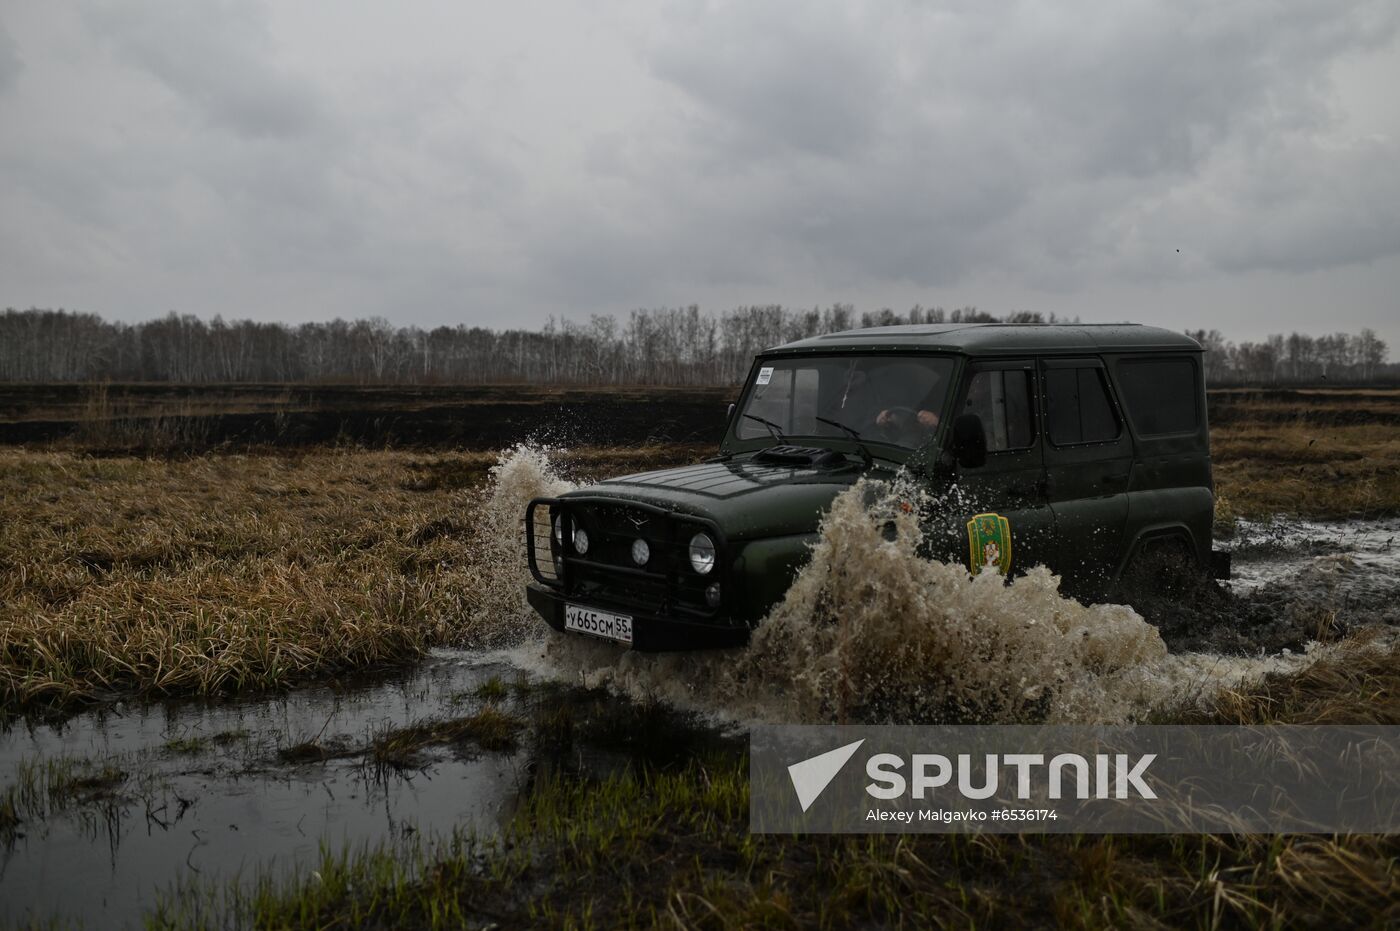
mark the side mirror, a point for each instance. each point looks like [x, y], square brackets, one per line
[969, 441]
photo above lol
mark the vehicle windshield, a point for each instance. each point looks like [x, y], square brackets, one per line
[882, 398]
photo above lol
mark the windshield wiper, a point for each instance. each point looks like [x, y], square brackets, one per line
[773, 428]
[851, 431]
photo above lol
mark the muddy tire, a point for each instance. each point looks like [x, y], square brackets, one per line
[1168, 586]
[1165, 568]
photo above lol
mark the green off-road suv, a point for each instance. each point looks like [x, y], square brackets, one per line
[1077, 447]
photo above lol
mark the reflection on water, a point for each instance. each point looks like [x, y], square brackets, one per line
[207, 795]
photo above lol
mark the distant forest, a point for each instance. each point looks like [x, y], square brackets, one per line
[680, 346]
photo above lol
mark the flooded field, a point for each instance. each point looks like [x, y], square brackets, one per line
[241, 689]
[137, 798]
[219, 790]
[144, 798]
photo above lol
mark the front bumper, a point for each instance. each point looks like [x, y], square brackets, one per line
[650, 634]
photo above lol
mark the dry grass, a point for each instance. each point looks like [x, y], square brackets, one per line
[236, 573]
[207, 575]
[1358, 686]
[1314, 453]
[1303, 470]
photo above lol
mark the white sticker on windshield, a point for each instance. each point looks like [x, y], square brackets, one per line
[765, 375]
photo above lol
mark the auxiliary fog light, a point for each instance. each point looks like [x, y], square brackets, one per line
[702, 553]
[641, 552]
[712, 594]
[581, 541]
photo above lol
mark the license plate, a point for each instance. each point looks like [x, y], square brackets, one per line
[598, 623]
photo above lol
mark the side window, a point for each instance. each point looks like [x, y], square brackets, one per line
[1078, 408]
[1002, 399]
[1160, 395]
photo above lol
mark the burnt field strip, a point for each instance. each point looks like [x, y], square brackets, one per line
[156, 417]
[141, 417]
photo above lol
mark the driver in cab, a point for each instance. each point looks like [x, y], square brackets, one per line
[879, 394]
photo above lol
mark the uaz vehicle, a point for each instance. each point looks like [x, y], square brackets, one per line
[1077, 447]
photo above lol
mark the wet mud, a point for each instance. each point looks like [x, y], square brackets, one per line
[1292, 583]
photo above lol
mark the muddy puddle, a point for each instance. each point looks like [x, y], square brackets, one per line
[118, 804]
[1293, 582]
[1360, 558]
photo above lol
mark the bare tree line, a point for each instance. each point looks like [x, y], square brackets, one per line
[1296, 357]
[667, 346]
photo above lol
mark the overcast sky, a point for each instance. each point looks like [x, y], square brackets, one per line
[1218, 164]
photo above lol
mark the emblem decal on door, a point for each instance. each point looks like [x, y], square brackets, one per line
[989, 543]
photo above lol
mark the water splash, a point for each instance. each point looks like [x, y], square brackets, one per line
[496, 569]
[873, 632]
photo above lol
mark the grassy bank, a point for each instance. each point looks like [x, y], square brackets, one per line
[234, 573]
[670, 846]
[1306, 470]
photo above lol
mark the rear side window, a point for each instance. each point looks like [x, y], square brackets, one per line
[1002, 399]
[1160, 395]
[1078, 408]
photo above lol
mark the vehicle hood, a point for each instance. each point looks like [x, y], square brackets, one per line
[748, 499]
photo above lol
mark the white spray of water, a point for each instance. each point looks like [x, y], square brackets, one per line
[872, 632]
[497, 570]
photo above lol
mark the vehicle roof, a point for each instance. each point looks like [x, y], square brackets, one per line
[986, 339]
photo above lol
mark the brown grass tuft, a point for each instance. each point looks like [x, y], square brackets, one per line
[1306, 470]
[1360, 685]
[235, 573]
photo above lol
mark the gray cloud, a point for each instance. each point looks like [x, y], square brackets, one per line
[495, 165]
[956, 135]
[10, 62]
[217, 57]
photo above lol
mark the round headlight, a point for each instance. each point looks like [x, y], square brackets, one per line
[712, 594]
[581, 541]
[702, 553]
[641, 552]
